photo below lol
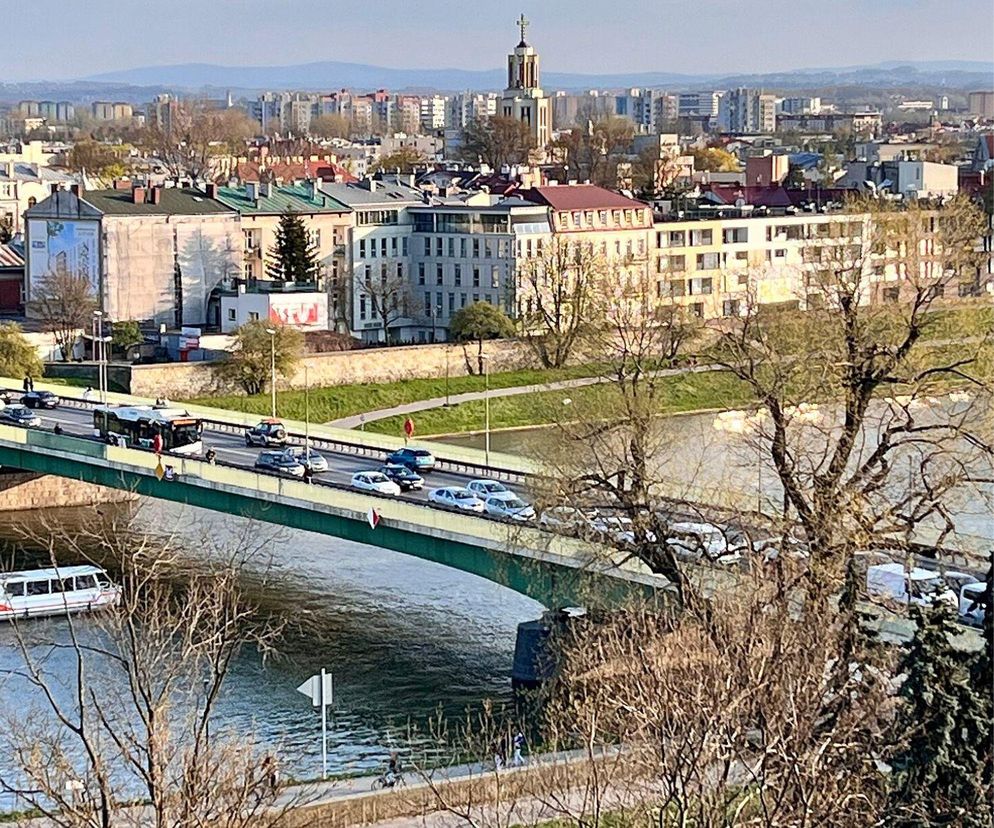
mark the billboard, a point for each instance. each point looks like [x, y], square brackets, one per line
[64, 246]
[308, 311]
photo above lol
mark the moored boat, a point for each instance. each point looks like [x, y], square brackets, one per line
[55, 591]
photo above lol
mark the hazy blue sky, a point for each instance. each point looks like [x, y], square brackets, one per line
[73, 38]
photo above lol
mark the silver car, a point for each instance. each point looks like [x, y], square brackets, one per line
[509, 507]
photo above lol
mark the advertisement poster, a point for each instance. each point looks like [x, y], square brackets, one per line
[299, 312]
[61, 247]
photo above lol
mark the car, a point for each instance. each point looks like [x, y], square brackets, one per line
[40, 399]
[570, 519]
[701, 541]
[374, 481]
[309, 458]
[487, 488]
[267, 433]
[6, 398]
[20, 415]
[457, 497]
[405, 478]
[279, 462]
[508, 507]
[417, 460]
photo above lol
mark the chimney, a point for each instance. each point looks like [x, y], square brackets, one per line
[138, 194]
[123, 184]
[211, 190]
[155, 195]
[55, 188]
[76, 190]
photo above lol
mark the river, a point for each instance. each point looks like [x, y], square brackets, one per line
[402, 637]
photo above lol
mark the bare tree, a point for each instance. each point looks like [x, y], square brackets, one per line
[131, 724]
[389, 296]
[64, 303]
[559, 299]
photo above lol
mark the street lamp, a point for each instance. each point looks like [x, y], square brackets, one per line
[272, 365]
[98, 353]
[486, 407]
[307, 417]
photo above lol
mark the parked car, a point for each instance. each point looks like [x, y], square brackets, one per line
[488, 488]
[457, 497]
[417, 460]
[570, 519]
[279, 462]
[267, 433]
[374, 481]
[892, 582]
[309, 458]
[20, 415]
[702, 541]
[405, 478]
[40, 399]
[509, 507]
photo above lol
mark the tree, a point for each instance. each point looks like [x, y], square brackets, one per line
[123, 739]
[388, 293]
[95, 158]
[558, 300]
[125, 334]
[293, 258]
[6, 228]
[331, 126]
[64, 303]
[250, 360]
[714, 159]
[944, 732]
[18, 357]
[198, 138]
[594, 154]
[496, 141]
[480, 321]
[404, 160]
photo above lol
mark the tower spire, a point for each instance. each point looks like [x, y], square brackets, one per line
[522, 24]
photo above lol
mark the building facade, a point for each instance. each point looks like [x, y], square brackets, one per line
[523, 98]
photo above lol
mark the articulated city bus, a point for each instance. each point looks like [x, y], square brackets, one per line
[138, 426]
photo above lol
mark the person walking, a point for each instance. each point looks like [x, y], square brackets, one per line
[87, 394]
[29, 384]
[519, 743]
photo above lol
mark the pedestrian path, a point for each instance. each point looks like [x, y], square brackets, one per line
[358, 420]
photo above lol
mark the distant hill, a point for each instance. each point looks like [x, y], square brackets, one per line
[332, 75]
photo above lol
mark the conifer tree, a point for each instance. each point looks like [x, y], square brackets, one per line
[292, 258]
[941, 773]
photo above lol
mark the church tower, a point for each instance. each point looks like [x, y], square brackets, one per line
[524, 99]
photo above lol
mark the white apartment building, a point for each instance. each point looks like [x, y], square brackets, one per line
[433, 113]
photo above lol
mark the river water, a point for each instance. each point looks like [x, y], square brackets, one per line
[402, 637]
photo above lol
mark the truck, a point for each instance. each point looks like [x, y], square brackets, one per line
[892, 582]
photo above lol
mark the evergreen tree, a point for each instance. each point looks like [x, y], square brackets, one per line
[943, 729]
[292, 258]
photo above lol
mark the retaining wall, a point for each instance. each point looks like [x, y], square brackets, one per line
[22, 491]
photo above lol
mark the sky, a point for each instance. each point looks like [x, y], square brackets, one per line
[63, 39]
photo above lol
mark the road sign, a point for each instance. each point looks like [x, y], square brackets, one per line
[320, 696]
[320, 691]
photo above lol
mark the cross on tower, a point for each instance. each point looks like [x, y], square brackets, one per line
[522, 24]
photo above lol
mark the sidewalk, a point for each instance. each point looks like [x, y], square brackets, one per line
[357, 420]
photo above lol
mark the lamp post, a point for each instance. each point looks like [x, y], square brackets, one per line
[307, 417]
[486, 408]
[99, 352]
[272, 366]
[448, 348]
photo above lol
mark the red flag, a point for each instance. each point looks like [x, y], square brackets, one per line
[409, 427]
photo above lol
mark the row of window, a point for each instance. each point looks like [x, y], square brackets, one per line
[475, 273]
[396, 246]
[600, 219]
[740, 235]
[462, 248]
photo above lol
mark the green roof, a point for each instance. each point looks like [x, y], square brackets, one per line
[177, 201]
[300, 199]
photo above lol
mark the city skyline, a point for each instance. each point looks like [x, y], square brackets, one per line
[720, 37]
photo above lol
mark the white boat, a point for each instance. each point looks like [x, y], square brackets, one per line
[40, 592]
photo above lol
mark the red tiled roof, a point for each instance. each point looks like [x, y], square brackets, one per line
[329, 171]
[580, 197]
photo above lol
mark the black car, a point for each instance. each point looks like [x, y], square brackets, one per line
[267, 434]
[417, 460]
[40, 399]
[279, 462]
[403, 477]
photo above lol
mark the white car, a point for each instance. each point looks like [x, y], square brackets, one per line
[456, 497]
[374, 481]
[508, 507]
[696, 541]
[488, 488]
[570, 519]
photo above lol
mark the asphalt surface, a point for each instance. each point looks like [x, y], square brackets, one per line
[232, 451]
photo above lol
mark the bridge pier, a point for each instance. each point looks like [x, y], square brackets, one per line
[24, 491]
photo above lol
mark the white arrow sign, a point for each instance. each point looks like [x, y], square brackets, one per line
[318, 689]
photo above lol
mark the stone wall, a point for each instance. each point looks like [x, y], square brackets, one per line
[369, 365]
[22, 491]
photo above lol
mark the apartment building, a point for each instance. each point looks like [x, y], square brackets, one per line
[22, 185]
[746, 111]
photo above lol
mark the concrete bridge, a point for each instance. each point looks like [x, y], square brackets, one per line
[555, 570]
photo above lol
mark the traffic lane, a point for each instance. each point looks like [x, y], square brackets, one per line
[231, 450]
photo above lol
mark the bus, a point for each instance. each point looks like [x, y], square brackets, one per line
[137, 426]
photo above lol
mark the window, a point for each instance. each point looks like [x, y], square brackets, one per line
[383, 247]
[476, 248]
[735, 235]
[700, 237]
[439, 272]
[707, 261]
[37, 588]
[697, 308]
[438, 246]
[780, 253]
[476, 298]
[404, 246]
[427, 303]
[421, 273]
[494, 277]
[253, 239]
[427, 244]
[452, 303]
[476, 277]
[393, 245]
[400, 270]
[678, 263]
[253, 316]
[699, 287]
[892, 294]
[457, 275]
[462, 300]
[232, 316]
[462, 248]
[452, 247]
[730, 307]
[314, 238]
[362, 248]
[678, 238]
[488, 249]
[577, 218]
[362, 307]
[602, 218]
